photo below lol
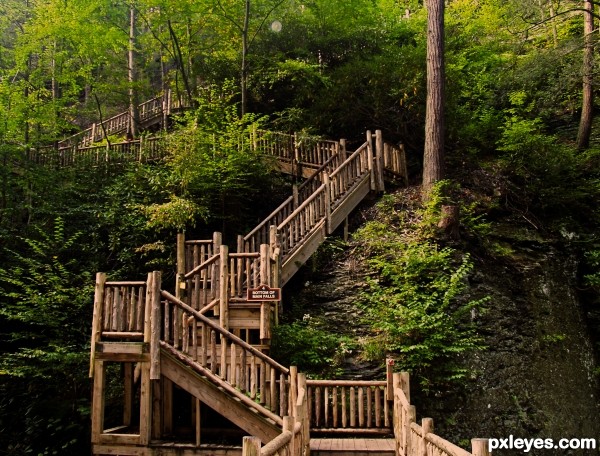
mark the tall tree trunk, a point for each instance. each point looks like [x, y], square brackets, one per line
[244, 68]
[134, 116]
[553, 23]
[433, 160]
[587, 102]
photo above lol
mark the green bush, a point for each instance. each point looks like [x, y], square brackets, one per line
[416, 302]
[308, 346]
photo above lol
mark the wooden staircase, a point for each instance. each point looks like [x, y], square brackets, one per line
[183, 358]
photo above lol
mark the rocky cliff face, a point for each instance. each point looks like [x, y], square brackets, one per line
[536, 377]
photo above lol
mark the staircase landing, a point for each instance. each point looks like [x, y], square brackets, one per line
[352, 447]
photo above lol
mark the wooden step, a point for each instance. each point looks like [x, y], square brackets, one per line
[352, 447]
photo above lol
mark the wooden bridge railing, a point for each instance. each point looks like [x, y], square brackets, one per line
[413, 439]
[349, 406]
[141, 150]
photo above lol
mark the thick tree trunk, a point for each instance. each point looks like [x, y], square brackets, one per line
[433, 160]
[244, 68]
[134, 116]
[587, 102]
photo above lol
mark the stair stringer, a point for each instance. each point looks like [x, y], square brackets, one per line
[217, 398]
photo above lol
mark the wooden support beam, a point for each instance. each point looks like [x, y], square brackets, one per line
[127, 393]
[97, 317]
[405, 384]
[251, 446]
[379, 165]
[198, 422]
[224, 287]
[156, 410]
[479, 447]
[167, 396]
[155, 326]
[145, 405]
[427, 426]
[370, 161]
[181, 268]
[98, 400]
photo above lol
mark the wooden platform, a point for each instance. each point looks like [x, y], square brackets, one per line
[353, 447]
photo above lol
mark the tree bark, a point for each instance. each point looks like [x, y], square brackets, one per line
[433, 160]
[244, 68]
[134, 116]
[587, 102]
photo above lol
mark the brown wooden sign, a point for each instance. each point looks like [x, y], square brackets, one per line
[264, 293]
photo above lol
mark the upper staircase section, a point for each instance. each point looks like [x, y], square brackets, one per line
[151, 112]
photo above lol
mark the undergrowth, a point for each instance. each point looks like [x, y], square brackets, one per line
[415, 301]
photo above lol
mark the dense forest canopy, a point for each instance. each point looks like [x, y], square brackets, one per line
[514, 95]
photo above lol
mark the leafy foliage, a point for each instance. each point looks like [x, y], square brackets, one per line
[44, 324]
[416, 301]
[309, 346]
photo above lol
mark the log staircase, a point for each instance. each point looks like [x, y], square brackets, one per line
[189, 372]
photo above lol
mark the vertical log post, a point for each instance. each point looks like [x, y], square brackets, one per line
[289, 423]
[479, 447]
[156, 410]
[251, 446]
[389, 377]
[97, 318]
[379, 165]
[223, 287]
[427, 425]
[293, 396]
[405, 384]
[224, 304]
[155, 324]
[265, 279]
[275, 243]
[343, 150]
[411, 446]
[295, 196]
[327, 201]
[198, 422]
[304, 415]
[370, 163]
[98, 401]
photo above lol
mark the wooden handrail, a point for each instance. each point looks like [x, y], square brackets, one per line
[348, 160]
[346, 382]
[276, 444]
[206, 263]
[302, 206]
[447, 447]
[224, 332]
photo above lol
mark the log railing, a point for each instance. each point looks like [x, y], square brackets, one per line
[348, 173]
[119, 124]
[140, 150]
[413, 439]
[300, 223]
[294, 439]
[261, 233]
[348, 405]
[308, 150]
[225, 355]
